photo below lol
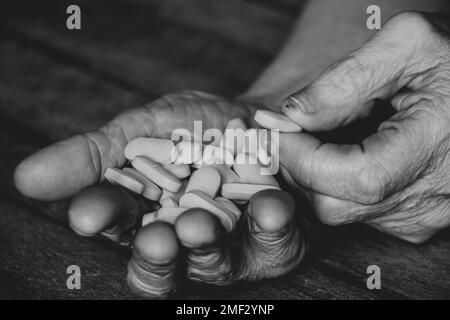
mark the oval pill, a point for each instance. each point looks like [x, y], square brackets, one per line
[188, 152]
[169, 215]
[157, 174]
[233, 137]
[124, 179]
[159, 150]
[230, 206]
[198, 199]
[243, 191]
[168, 203]
[274, 120]
[151, 191]
[206, 179]
[247, 168]
[174, 195]
[180, 171]
[148, 218]
[227, 174]
[217, 155]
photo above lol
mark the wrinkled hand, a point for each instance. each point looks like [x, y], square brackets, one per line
[397, 180]
[266, 244]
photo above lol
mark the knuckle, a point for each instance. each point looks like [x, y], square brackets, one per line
[327, 211]
[407, 20]
[371, 185]
[409, 23]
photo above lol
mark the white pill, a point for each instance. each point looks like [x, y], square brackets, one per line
[168, 214]
[156, 173]
[233, 137]
[206, 179]
[180, 171]
[151, 191]
[217, 155]
[227, 175]
[149, 218]
[198, 164]
[174, 195]
[274, 120]
[254, 144]
[243, 191]
[198, 199]
[188, 152]
[168, 203]
[230, 206]
[248, 169]
[159, 150]
[124, 179]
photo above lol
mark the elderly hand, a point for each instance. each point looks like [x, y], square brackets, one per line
[266, 244]
[397, 180]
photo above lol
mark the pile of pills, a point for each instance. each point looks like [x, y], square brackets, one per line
[217, 177]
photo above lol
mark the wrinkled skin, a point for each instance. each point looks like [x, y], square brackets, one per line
[397, 180]
[265, 244]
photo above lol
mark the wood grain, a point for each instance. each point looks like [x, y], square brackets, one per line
[56, 83]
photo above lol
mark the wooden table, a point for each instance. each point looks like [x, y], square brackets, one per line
[55, 82]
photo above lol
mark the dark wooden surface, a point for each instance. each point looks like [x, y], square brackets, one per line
[54, 83]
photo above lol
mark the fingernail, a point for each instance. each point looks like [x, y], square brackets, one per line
[304, 106]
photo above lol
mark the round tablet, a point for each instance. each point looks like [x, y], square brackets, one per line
[157, 243]
[197, 227]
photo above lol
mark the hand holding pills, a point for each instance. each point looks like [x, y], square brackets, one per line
[397, 179]
[130, 182]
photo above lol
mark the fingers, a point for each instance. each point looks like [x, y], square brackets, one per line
[152, 269]
[208, 256]
[62, 169]
[346, 90]
[383, 164]
[271, 243]
[106, 209]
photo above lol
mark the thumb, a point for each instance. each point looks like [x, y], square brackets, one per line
[347, 89]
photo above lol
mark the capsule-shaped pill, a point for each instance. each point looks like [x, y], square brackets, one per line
[188, 152]
[230, 206]
[234, 135]
[274, 120]
[149, 218]
[206, 179]
[180, 171]
[169, 215]
[159, 150]
[248, 169]
[124, 179]
[198, 199]
[168, 203]
[227, 175]
[157, 174]
[217, 155]
[151, 191]
[243, 191]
